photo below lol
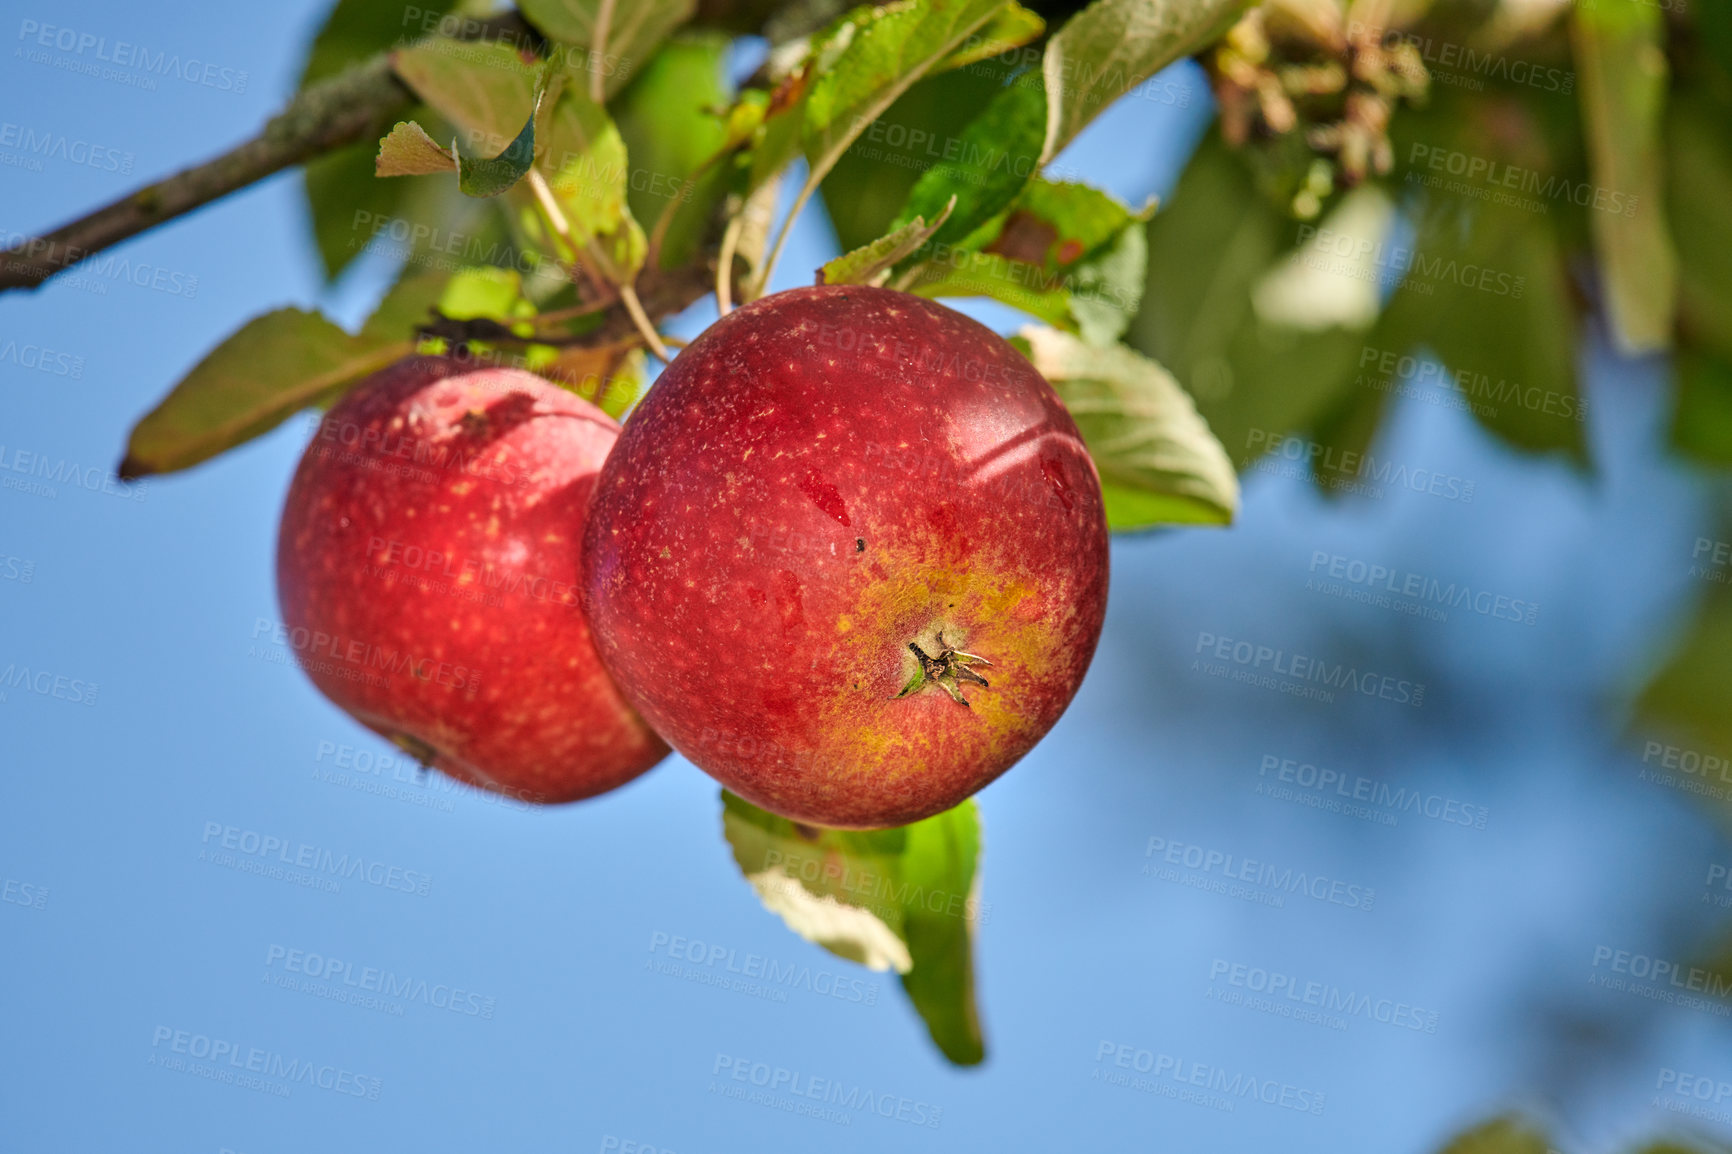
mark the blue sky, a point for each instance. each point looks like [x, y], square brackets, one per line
[124, 946]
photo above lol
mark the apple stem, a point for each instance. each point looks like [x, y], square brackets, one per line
[627, 290]
[598, 53]
[725, 264]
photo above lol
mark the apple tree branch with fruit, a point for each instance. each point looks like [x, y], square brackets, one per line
[848, 553]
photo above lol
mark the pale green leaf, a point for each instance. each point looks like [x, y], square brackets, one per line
[275, 365]
[1158, 461]
[1620, 52]
[995, 157]
[634, 30]
[1012, 27]
[871, 263]
[1111, 47]
[407, 150]
[904, 899]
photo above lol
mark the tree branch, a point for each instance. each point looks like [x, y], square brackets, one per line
[348, 107]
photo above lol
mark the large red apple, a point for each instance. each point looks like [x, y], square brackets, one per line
[428, 566]
[849, 556]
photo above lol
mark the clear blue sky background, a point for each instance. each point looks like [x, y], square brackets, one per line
[551, 914]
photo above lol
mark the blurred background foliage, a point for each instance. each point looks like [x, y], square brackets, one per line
[1465, 199]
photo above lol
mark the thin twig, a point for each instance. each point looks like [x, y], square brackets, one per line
[361, 101]
[355, 104]
[598, 54]
[627, 294]
[761, 278]
[725, 263]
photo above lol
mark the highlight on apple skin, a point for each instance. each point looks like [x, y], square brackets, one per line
[849, 556]
[427, 569]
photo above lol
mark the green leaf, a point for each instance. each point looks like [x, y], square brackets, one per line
[1512, 353]
[1620, 52]
[1020, 285]
[339, 187]
[871, 263]
[1699, 193]
[493, 293]
[1066, 253]
[884, 50]
[409, 303]
[357, 29]
[902, 899]
[1210, 248]
[1690, 697]
[1107, 287]
[589, 171]
[1158, 461]
[341, 190]
[1011, 28]
[868, 189]
[671, 131]
[1702, 418]
[485, 88]
[635, 28]
[407, 150]
[994, 158]
[486, 177]
[274, 366]
[1111, 47]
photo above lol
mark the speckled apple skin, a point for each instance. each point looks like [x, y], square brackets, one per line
[822, 477]
[430, 541]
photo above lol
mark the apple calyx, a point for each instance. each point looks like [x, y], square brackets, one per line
[946, 670]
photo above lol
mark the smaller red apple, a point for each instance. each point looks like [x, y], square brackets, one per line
[427, 567]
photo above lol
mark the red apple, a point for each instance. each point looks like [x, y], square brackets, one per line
[849, 556]
[427, 567]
